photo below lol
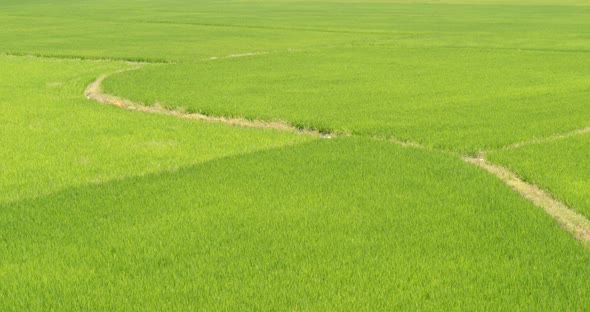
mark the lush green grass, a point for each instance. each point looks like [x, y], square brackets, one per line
[332, 224]
[52, 137]
[140, 41]
[104, 209]
[459, 75]
[562, 167]
[190, 30]
[459, 99]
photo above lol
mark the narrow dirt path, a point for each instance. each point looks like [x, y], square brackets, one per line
[94, 92]
[569, 219]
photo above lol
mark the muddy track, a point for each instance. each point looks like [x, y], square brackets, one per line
[573, 222]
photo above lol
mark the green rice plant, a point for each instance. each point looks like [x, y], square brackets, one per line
[342, 224]
[53, 138]
[463, 100]
[185, 30]
[107, 209]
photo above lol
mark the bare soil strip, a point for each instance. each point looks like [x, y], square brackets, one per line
[94, 92]
[570, 220]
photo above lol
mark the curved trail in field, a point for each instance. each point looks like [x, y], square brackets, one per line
[94, 92]
[573, 222]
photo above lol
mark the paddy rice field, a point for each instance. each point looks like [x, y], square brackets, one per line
[294, 155]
